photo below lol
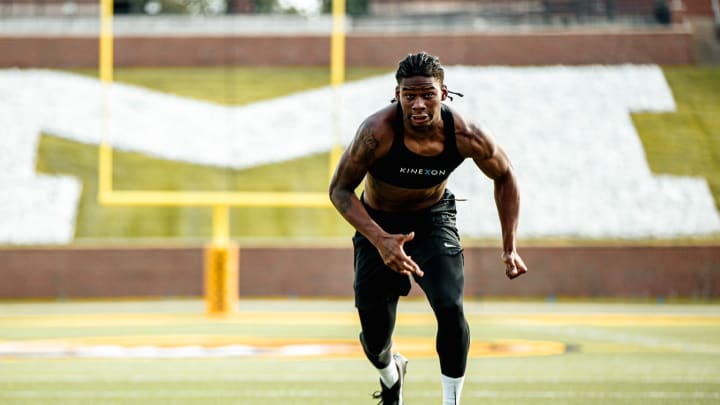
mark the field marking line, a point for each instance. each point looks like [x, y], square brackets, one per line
[650, 341]
[325, 393]
[233, 346]
[351, 318]
[354, 378]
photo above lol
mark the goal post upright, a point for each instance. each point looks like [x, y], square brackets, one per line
[337, 77]
[105, 65]
[106, 51]
[221, 255]
[222, 262]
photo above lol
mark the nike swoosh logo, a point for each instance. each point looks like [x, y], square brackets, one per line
[448, 245]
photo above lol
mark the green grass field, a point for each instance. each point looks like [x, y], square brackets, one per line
[686, 142]
[233, 85]
[522, 353]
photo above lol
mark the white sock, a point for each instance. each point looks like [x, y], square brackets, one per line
[452, 388]
[389, 375]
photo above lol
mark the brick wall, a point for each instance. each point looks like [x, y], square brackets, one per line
[99, 272]
[665, 46]
[698, 8]
[602, 271]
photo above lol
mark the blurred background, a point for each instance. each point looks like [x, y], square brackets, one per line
[166, 236]
[608, 110]
[405, 12]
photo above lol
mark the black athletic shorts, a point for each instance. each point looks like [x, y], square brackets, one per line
[435, 235]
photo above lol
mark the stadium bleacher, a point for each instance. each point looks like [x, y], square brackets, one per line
[567, 130]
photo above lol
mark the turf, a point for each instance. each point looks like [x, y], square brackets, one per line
[686, 142]
[233, 85]
[616, 353]
[134, 171]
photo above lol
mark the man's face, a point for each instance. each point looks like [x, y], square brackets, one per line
[420, 98]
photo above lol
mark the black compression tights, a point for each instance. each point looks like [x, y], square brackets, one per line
[453, 335]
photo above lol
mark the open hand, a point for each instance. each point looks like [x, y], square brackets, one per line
[393, 254]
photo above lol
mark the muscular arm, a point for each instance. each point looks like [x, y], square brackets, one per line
[507, 196]
[493, 161]
[351, 169]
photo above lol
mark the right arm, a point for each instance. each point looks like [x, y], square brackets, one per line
[494, 163]
[352, 168]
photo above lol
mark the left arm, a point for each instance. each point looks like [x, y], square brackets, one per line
[493, 161]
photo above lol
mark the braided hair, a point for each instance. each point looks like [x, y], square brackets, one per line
[420, 64]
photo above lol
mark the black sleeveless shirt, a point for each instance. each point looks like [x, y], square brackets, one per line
[404, 168]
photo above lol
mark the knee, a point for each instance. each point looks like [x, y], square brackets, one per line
[451, 317]
[375, 345]
[377, 351]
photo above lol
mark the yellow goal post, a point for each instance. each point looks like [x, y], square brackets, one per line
[221, 281]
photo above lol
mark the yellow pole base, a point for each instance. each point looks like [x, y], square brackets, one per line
[221, 278]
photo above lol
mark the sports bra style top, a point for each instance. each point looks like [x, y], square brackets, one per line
[404, 168]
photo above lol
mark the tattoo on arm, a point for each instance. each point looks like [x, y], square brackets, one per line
[368, 143]
[344, 203]
[353, 168]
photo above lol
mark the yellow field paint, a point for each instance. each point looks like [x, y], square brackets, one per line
[245, 318]
[424, 347]
[603, 319]
[573, 319]
[184, 346]
[350, 318]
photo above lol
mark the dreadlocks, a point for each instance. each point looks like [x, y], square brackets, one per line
[420, 64]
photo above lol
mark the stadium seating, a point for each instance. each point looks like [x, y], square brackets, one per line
[568, 131]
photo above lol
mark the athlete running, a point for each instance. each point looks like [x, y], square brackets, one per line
[405, 219]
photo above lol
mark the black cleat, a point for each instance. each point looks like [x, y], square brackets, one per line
[394, 394]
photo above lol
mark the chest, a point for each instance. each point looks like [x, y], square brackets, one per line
[425, 147]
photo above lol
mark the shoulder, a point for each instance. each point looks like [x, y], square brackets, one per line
[378, 126]
[381, 121]
[472, 141]
[375, 134]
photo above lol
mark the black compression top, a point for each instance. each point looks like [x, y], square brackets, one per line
[404, 168]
